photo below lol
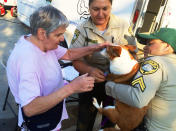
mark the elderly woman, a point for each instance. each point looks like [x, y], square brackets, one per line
[100, 27]
[34, 74]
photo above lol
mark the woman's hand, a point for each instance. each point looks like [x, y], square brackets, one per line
[82, 83]
[77, 53]
[100, 46]
[97, 74]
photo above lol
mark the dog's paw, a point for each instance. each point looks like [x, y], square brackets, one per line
[117, 127]
[95, 103]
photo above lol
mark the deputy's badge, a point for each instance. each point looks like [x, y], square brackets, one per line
[149, 67]
[75, 36]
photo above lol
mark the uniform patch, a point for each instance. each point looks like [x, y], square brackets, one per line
[75, 36]
[149, 67]
[92, 41]
[139, 83]
[130, 30]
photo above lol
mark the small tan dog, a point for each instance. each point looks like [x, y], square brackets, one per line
[123, 66]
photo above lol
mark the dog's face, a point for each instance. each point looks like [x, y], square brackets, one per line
[121, 59]
[119, 50]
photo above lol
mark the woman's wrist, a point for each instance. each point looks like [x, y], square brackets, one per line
[68, 89]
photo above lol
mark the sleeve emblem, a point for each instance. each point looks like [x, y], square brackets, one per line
[75, 36]
[139, 83]
[149, 67]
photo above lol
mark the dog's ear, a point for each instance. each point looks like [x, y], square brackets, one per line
[131, 48]
[114, 51]
[117, 50]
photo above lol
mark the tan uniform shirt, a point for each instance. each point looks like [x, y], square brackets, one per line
[155, 84]
[87, 34]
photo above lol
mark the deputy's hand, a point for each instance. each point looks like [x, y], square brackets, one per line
[147, 51]
[97, 74]
[82, 83]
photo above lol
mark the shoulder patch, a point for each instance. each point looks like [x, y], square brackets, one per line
[75, 36]
[149, 67]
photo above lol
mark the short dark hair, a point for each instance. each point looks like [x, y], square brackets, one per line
[90, 1]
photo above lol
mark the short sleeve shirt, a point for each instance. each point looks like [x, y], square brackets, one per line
[32, 72]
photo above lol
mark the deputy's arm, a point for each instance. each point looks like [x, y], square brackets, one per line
[79, 40]
[83, 68]
[142, 89]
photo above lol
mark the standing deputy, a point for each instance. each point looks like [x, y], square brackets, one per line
[100, 27]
